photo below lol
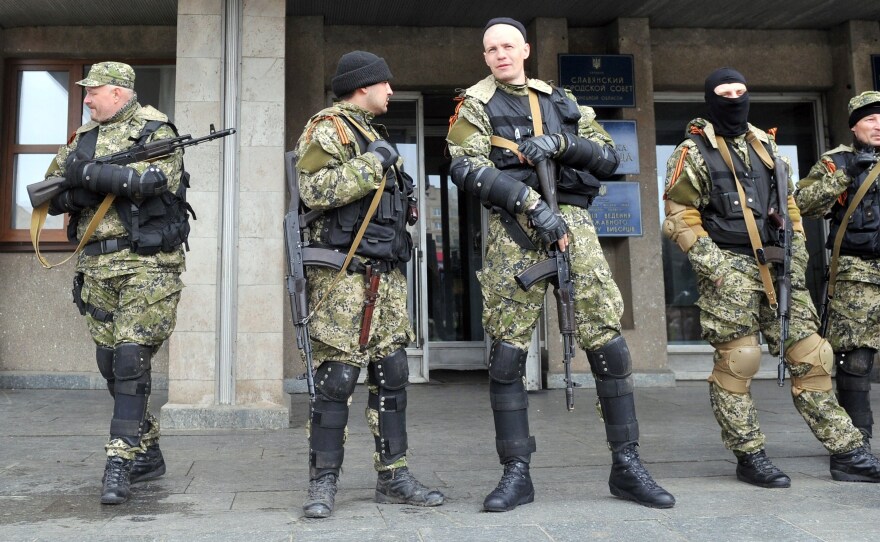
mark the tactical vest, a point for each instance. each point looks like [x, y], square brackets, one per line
[155, 224]
[511, 119]
[862, 236]
[723, 217]
[386, 238]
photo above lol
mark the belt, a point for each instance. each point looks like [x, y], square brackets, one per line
[106, 246]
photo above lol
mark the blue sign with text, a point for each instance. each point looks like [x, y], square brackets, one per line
[618, 211]
[599, 80]
[623, 132]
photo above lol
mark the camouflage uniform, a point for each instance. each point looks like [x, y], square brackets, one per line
[853, 327]
[337, 173]
[738, 308]
[344, 177]
[141, 292]
[509, 313]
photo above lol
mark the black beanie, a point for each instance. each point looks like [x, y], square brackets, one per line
[507, 20]
[358, 69]
[729, 116]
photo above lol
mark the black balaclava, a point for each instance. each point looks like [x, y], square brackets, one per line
[729, 116]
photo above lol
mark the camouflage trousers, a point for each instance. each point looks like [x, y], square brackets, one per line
[144, 307]
[335, 328]
[510, 314]
[143, 303]
[739, 308]
[854, 316]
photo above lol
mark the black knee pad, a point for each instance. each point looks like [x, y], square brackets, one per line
[336, 380]
[506, 362]
[104, 357]
[612, 359]
[131, 361]
[390, 372]
[858, 362]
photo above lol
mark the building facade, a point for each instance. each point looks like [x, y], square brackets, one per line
[264, 66]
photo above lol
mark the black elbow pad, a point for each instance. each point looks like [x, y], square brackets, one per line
[581, 153]
[492, 186]
[120, 180]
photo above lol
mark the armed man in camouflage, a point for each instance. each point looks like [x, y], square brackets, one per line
[704, 217]
[502, 175]
[128, 275]
[853, 319]
[343, 160]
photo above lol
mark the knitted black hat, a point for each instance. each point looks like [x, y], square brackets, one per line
[507, 20]
[358, 69]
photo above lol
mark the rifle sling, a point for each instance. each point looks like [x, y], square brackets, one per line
[751, 226]
[38, 220]
[838, 239]
[374, 204]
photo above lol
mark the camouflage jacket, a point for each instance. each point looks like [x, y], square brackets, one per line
[114, 136]
[688, 182]
[471, 128]
[816, 194]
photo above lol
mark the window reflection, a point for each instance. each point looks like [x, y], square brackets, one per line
[27, 169]
[42, 108]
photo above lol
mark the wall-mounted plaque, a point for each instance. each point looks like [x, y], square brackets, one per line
[617, 210]
[599, 80]
[623, 132]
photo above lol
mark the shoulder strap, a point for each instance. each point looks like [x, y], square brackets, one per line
[751, 226]
[838, 239]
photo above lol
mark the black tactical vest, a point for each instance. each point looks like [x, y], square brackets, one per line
[386, 237]
[511, 119]
[723, 217]
[155, 224]
[862, 236]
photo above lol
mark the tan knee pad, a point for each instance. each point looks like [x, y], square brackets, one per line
[683, 224]
[739, 361]
[817, 352]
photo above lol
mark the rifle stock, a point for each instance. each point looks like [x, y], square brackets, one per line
[42, 191]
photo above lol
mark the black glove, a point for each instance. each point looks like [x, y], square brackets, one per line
[74, 200]
[549, 225]
[385, 152]
[540, 147]
[859, 162]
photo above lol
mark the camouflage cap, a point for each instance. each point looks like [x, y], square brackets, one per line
[866, 103]
[109, 73]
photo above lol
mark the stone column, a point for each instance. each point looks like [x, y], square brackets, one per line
[852, 44]
[647, 337]
[225, 366]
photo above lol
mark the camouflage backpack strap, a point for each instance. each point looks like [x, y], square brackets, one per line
[374, 204]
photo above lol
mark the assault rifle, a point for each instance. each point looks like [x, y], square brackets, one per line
[558, 268]
[43, 191]
[299, 255]
[785, 239]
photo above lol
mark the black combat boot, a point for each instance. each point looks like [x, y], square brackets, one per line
[148, 465]
[399, 486]
[631, 480]
[756, 469]
[117, 483]
[514, 489]
[322, 497]
[855, 466]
